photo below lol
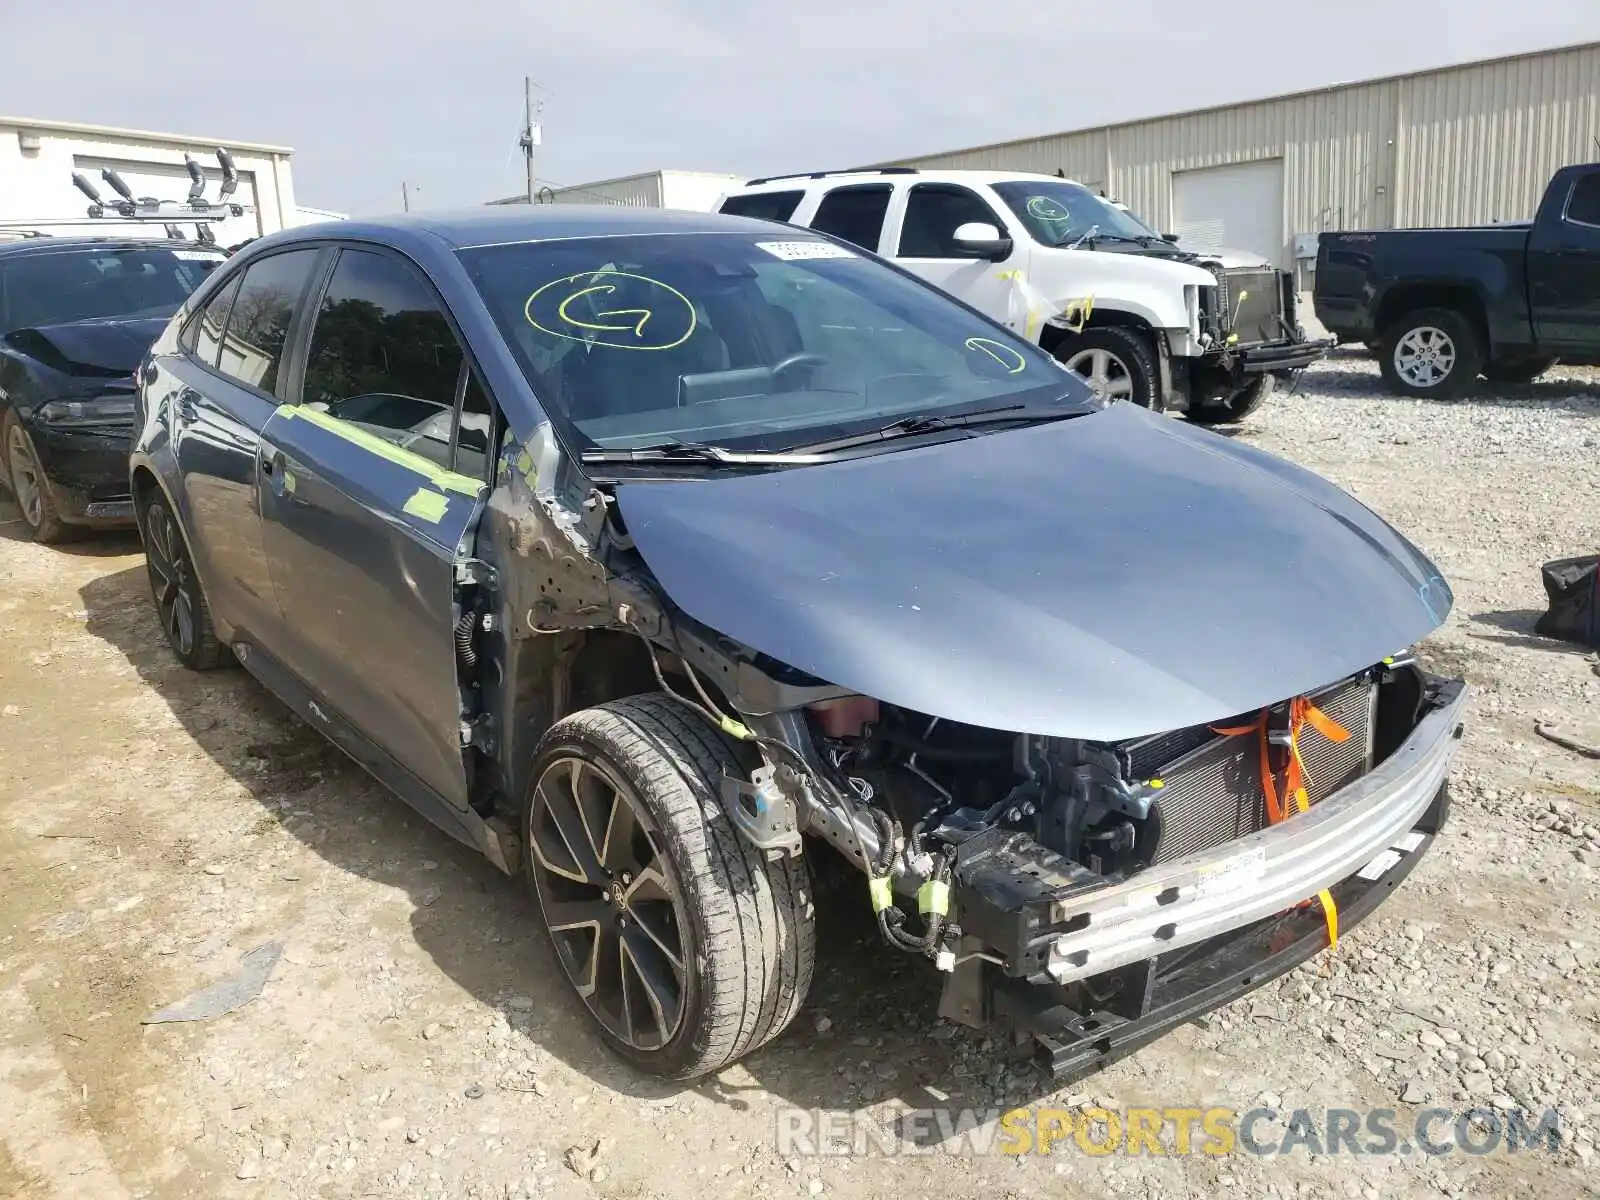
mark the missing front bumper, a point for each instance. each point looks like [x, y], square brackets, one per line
[1074, 1036]
[1286, 356]
[1188, 900]
[1094, 966]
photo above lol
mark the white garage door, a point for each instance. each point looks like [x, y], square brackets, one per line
[1238, 207]
[171, 182]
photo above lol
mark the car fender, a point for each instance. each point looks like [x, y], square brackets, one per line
[1151, 290]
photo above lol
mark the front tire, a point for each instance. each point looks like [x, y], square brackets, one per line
[1238, 406]
[175, 587]
[1431, 354]
[687, 947]
[1116, 362]
[29, 487]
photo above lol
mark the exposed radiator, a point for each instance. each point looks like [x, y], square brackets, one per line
[1213, 794]
[1252, 305]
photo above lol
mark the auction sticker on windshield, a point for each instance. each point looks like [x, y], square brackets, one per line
[795, 251]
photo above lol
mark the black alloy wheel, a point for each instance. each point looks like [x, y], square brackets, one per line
[180, 602]
[613, 910]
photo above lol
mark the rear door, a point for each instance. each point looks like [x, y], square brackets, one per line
[227, 379]
[1564, 270]
[371, 485]
[923, 242]
[854, 213]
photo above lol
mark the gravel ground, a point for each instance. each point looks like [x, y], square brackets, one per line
[414, 1041]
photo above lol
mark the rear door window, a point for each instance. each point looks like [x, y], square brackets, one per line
[854, 214]
[258, 323]
[765, 206]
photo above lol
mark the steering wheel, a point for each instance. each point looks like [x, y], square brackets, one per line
[795, 362]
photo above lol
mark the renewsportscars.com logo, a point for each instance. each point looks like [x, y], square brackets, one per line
[1175, 1132]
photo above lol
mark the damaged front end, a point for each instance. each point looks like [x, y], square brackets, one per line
[1248, 326]
[1096, 894]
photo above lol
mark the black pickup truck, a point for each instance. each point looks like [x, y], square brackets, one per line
[1440, 307]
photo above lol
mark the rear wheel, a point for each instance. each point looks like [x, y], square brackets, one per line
[29, 486]
[1433, 353]
[1518, 370]
[1238, 406]
[1117, 363]
[180, 601]
[687, 947]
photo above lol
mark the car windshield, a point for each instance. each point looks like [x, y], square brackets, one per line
[1059, 213]
[745, 341]
[96, 283]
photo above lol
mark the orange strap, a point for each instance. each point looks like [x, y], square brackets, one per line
[1301, 712]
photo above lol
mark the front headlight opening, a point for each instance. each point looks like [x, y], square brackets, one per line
[99, 410]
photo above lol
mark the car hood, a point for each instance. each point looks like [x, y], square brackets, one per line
[1228, 260]
[1103, 577]
[95, 348]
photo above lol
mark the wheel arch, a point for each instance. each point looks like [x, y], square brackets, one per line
[1053, 337]
[1399, 302]
[145, 481]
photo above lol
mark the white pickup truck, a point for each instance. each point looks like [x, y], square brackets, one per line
[1139, 318]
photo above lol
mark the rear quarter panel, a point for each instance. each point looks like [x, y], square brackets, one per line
[1363, 278]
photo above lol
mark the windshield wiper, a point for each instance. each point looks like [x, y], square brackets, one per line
[1096, 236]
[688, 452]
[935, 422]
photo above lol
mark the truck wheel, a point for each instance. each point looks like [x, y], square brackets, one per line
[687, 947]
[1518, 370]
[1433, 353]
[1238, 406]
[1117, 363]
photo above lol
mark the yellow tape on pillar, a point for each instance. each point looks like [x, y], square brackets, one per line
[448, 481]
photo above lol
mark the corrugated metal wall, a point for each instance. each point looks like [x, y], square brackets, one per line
[633, 191]
[1464, 145]
[1479, 143]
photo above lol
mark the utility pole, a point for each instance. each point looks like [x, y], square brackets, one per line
[531, 133]
[405, 194]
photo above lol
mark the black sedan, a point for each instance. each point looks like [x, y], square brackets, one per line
[668, 558]
[76, 317]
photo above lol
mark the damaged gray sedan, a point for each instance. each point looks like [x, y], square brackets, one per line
[669, 559]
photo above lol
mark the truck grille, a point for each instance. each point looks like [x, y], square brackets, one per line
[1213, 794]
[1257, 316]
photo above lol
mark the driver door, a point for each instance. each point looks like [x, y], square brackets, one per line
[922, 240]
[370, 487]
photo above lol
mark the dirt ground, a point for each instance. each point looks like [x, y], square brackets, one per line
[415, 1038]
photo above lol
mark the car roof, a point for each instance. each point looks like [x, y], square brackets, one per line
[58, 245]
[494, 225]
[789, 183]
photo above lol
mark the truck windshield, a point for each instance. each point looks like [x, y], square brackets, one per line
[746, 342]
[57, 288]
[1059, 213]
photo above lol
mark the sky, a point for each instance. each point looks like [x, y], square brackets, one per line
[372, 94]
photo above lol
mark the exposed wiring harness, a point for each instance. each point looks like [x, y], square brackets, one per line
[933, 897]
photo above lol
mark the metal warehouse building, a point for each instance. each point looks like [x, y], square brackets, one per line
[1468, 144]
[696, 190]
